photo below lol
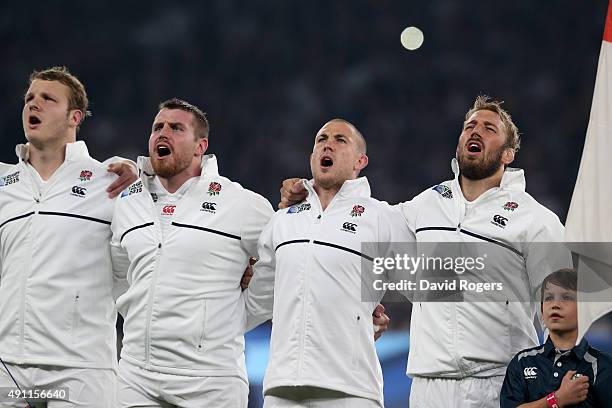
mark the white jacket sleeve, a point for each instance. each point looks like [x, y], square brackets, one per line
[257, 211]
[397, 238]
[545, 252]
[116, 159]
[5, 167]
[120, 261]
[410, 209]
[259, 296]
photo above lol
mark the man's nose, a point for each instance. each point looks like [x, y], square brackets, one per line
[33, 105]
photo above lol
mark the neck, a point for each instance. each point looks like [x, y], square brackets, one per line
[173, 183]
[472, 189]
[564, 340]
[326, 194]
[46, 159]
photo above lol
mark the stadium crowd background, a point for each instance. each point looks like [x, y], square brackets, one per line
[270, 73]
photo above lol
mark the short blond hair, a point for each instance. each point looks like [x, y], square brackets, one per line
[77, 97]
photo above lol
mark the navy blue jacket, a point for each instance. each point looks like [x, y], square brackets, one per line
[536, 372]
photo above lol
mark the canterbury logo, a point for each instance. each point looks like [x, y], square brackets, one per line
[350, 227]
[530, 372]
[79, 191]
[499, 221]
[206, 206]
[168, 209]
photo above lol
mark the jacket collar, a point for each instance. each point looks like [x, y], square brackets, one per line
[579, 350]
[209, 166]
[359, 187]
[513, 178]
[74, 151]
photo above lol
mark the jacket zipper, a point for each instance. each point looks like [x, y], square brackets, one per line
[158, 255]
[38, 198]
[317, 221]
[153, 283]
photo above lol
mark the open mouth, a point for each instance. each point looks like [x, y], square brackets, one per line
[326, 161]
[34, 120]
[162, 150]
[474, 147]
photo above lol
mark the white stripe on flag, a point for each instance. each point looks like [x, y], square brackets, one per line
[590, 215]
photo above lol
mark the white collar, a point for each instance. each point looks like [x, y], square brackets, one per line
[74, 151]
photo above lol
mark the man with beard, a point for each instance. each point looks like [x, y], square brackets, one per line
[459, 350]
[57, 315]
[183, 235]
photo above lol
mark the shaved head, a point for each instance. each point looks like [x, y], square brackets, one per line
[361, 143]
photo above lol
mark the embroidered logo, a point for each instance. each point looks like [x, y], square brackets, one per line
[443, 190]
[530, 373]
[78, 191]
[85, 175]
[510, 206]
[209, 207]
[298, 208]
[214, 189]
[9, 179]
[499, 221]
[133, 189]
[349, 227]
[357, 210]
[168, 209]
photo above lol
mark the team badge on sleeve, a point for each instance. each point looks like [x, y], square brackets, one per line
[133, 189]
[9, 179]
[294, 209]
[214, 189]
[443, 190]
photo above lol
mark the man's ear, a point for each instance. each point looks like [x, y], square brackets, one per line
[362, 163]
[201, 147]
[508, 156]
[75, 116]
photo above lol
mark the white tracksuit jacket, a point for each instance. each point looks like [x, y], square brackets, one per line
[56, 303]
[462, 339]
[322, 332]
[184, 310]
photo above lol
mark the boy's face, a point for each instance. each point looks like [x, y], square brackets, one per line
[559, 309]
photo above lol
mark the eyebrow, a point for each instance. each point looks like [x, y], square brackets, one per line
[337, 135]
[486, 123]
[31, 94]
[169, 123]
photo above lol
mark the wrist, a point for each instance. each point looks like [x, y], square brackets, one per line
[551, 400]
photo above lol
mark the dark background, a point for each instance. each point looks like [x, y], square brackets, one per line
[270, 73]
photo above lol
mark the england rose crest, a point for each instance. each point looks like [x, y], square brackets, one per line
[510, 206]
[214, 189]
[85, 175]
[357, 211]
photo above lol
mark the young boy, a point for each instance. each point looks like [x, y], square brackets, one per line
[559, 373]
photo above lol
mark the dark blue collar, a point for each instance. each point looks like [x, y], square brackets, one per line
[578, 350]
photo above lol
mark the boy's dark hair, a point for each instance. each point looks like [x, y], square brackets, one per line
[566, 278]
